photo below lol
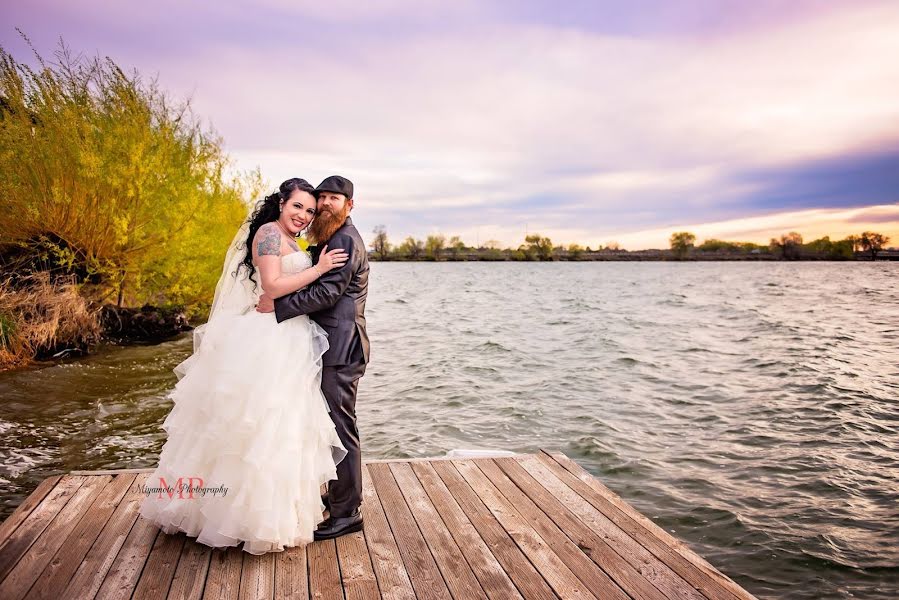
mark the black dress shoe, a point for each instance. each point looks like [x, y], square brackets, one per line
[333, 527]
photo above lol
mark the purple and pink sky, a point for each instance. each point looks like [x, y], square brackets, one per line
[586, 121]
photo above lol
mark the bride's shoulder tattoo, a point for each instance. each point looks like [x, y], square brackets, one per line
[268, 240]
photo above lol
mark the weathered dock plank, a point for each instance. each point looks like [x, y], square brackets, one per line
[457, 573]
[223, 579]
[490, 573]
[523, 526]
[709, 581]
[610, 536]
[393, 579]
[529, 582]
[23, 510]
[76, 546]
[291, 575]
[420, 565]
[190, 576]
[552, 562]
[29, 567]
[19, 539]
[356, 572]
[257, 581]
[614, 568]
[92, 571]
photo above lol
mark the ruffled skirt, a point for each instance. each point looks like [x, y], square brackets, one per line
[250, 440]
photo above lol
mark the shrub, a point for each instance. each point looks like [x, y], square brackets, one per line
[40, 316]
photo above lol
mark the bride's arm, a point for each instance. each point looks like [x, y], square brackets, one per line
[267, 255]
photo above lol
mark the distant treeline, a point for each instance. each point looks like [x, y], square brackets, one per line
[789, 246]
[682, 247]
[112, 193]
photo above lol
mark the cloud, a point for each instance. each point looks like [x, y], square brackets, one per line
[651, 124]
[812, 224]
[874, 215]
[492, 116]
[577, 207]
[849, 179]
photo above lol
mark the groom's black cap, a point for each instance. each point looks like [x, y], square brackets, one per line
[337, 185]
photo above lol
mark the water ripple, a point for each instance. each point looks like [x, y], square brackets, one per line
[751, 409]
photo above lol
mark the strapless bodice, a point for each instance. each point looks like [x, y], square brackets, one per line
[295, 262]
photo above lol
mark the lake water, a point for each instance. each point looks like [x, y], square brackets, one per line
[752, 409]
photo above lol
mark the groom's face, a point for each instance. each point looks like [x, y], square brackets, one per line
[334, 203]
[333, 210]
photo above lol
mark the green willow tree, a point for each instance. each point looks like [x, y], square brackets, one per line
[537, 247]
[434, 246]
[123, 181]
[788, 247]
[681, 243]
[410, 248]
[873, 242]
[455, 246]
[379, 244]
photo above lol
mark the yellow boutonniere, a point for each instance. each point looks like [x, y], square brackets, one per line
[303, 243]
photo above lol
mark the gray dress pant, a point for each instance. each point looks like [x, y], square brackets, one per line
[339, 385]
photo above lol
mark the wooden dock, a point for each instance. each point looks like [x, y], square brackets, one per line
[528, 526]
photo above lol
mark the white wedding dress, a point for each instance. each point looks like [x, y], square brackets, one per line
[249, 420]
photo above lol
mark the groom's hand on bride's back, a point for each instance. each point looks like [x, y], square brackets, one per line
[266, 304]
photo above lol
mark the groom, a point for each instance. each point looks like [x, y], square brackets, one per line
[336, 301]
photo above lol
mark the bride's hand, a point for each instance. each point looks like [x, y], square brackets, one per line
[328, 261]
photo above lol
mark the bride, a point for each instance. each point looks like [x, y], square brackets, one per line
[249, 440]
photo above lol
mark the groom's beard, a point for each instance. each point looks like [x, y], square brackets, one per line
[326, 223]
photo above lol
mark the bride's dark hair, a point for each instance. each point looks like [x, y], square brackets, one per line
[268, 210]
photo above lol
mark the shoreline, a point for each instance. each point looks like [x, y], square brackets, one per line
[151, 325]
[634, 256]
[111, 327]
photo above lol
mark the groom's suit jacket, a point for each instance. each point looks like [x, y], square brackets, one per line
[336, 300]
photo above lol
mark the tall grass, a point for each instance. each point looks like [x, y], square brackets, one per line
[41, 316]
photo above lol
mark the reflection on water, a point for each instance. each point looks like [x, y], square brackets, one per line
[752, 409]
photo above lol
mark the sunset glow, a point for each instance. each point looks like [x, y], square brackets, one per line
[732, 120]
